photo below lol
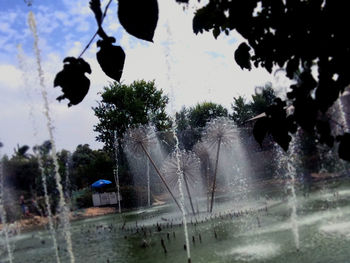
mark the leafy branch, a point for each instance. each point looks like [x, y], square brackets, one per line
[139, 18]
[97, 32]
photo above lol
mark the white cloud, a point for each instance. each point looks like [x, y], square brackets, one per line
[10, 76]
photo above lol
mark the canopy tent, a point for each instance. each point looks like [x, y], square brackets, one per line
[101, 183]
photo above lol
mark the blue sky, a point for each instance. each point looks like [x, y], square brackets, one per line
[188, 68]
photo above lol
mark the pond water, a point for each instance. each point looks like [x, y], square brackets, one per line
[255, 230]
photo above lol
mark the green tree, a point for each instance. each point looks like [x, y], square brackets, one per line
[262, 98]
[123, 106]
[191, 121]
[200, 114]
[21, 170]
[241, 110]
[88, 166]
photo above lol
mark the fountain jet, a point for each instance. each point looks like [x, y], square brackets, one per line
[137, 140]
[218, 131]
[189, 167]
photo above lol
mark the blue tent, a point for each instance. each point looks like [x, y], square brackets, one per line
[101, 183]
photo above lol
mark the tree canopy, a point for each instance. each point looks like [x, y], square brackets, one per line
[190, 121]
[123, 106]
[262, 98]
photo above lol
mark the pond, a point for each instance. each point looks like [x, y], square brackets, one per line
[254, 230]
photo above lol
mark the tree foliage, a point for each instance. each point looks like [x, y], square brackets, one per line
[191, 121]
[288, 34]
[123, 106]
[88, 166]
[262, 98]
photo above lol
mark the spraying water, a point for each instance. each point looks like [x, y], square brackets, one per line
[64, 211]
[219, 131]
[180, 177]
[288, 161]
[21, 63]
[182, 196]
[293, 199]
[3, 215]
[340, 112]
[48, 208]
[116, 171]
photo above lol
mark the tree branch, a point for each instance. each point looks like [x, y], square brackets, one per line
[98, 30]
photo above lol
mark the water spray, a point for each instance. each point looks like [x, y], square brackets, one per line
[116, 170]
[3, 214]
[64, 211]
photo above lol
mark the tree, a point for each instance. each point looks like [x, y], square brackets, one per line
[191, 121]
[287, 34]
[123, 106]
[200, 114]
[21, 170]
[241, 110]
[262, 98]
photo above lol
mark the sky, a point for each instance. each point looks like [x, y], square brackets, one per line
[189, 68]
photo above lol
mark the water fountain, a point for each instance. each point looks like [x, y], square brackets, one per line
[137, 140]
[64, 210]
[202, 152]
[190, 169]
[218, 132]
[116, 170]
[47, 203]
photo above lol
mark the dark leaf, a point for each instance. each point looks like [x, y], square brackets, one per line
[344, 146]
[75, 85]
[292, 67]
[242, 56]
[260, 130]
[111, 58]
[282, 139]
[216, 32]
[139, 17]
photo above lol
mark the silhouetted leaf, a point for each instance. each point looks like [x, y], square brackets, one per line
[242, 56]
[282, 139]
[260, 130]
[139, 17]
[111, 58]
[292, 67]
[1, 144]
[344, 146]
[216, 32]
[75, 85]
